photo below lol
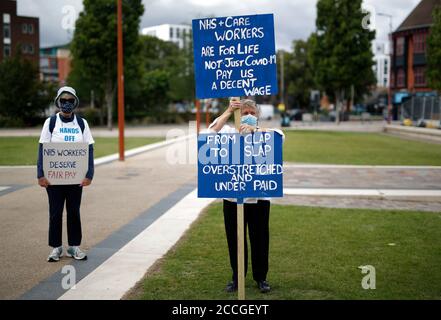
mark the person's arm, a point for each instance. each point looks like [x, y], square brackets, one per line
[87, 137]
[222, 120]
[44, 137]
[40, 172]
[91, 169]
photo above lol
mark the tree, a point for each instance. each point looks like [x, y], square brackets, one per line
[298, 74]
[94, 45]
[167, 74]
[434, 51]
[341, 50]
[22, 95]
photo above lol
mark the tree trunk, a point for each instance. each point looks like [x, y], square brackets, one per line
[108, 96]
[337, 106]
[101, 113]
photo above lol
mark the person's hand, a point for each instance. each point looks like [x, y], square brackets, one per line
[86, 182]
[43, 182]
[234, 105]
[246, 128]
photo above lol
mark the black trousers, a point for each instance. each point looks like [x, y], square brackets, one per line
[58, 196]
[256, 219]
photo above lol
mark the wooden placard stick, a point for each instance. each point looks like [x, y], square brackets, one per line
[240, 227]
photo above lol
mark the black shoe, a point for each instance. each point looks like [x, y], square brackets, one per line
[231, 287]
[263, 286]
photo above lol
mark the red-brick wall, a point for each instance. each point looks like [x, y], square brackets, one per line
[18, 37]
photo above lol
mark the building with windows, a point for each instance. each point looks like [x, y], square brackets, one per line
[18, 33]
[381, 66]
[55, 63]
[409, 43]
[176, 33]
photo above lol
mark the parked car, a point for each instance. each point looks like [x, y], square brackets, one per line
[359, 108]
[295, 114]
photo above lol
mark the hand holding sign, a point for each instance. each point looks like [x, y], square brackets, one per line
[234, 105]
[246, 128]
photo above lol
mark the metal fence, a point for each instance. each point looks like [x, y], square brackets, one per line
[422, 108]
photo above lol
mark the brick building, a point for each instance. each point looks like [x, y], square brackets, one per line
[409, 60]
[55, 63]
[18, 33]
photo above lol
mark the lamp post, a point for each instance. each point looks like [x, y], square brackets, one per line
[389, 91]
[120, 82]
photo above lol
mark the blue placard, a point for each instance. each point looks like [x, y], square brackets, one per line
[240, 166]
[235, 56]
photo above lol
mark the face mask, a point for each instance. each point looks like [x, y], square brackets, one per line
[67, 107]
[249, 119]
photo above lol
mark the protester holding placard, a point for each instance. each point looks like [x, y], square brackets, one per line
[65, 127]
[256, 210]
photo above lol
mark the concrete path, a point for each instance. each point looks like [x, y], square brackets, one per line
[117, 275]
[362, 177]
[370, 187]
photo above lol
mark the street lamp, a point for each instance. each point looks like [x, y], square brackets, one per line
[120, 62]
[389, 91]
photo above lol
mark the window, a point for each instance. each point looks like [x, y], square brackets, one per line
[171, 32]
[6, 50]
[6, 18]
[392, 79]
[400, 78]
[419, 42]
[44, 63]
[24, 28]
[6, 31]
[419, 76]
[178, 33]
[30, 28]
[400, 46]
[27, 48]
[53, 63]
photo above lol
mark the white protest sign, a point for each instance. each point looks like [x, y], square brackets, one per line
[65, 163]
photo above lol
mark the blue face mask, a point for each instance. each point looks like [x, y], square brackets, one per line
[249, 119]
[67, 107]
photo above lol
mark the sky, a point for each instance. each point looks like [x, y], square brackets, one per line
[294, 19]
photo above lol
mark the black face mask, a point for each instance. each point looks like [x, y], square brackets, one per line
[66, 106]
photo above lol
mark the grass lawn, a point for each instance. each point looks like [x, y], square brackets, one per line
[358, 148]
[23, 150]
[314, 254]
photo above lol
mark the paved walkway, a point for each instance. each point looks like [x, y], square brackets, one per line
[345, 202]
[371, 187]
[362, 177]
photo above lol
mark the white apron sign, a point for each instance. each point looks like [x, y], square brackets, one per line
[65, 163]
